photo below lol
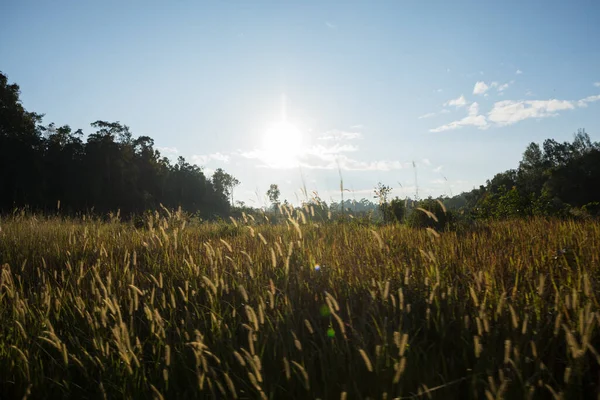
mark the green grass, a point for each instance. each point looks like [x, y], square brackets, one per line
[91, 309]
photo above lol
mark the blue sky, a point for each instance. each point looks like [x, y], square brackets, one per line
[460, 87]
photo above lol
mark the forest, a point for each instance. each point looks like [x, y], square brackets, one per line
[52, 168]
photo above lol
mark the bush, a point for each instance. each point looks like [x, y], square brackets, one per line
[435, 215]
[396, 210]
[593, 209]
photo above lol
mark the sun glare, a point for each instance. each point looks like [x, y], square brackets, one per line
[283, 144]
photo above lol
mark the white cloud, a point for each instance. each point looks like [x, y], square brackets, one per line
[206, 158]
[426, 162]
[444, 111]
[509, 112]
[428, 115]
[350, 164]
[168, 150]
[519, 72]
[438, 168]
[474, 109]
[458, 102]
[480, 87]
[330, 153]
[357, 126]
[337, 135]
[321, 157]
[589, 99]
[330, 25]
[472, 119]
[597, 84]
[503, 87]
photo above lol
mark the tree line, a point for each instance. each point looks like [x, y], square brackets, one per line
[552, 179]
[48, 167]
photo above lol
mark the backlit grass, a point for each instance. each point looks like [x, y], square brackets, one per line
[182, 310]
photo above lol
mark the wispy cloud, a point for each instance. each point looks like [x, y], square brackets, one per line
[518, 72]
[472, 119]
[168, 150]
[502, 87]
[458, 102]
[206, 158]
[319, 161]
[589, 99]
[337, 135]
[597, 84]
[438, 168]
[332, 150]
[480, 87]
[443, 110]
[330, 25]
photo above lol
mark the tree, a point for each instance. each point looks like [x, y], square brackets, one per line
[382, 192]
[273, 195]
[397, 210]
[550, 180]
[42, 165]
[21, 146]
[225, 183]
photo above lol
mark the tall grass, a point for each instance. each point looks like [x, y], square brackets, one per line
[177, 310]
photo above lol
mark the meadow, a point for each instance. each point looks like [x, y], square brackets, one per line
[249, 309]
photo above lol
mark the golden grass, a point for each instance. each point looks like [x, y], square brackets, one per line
[238, 310]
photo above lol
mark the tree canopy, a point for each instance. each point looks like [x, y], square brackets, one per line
[552, 179]
[44, 167]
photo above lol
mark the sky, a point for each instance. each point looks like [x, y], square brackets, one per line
[431, 95]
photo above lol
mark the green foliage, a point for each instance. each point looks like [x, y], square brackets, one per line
[429, 213]
[381, 193]
[396, 210]
[556, 179]
[49, 168]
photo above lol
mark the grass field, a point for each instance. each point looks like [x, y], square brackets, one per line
[251, 310]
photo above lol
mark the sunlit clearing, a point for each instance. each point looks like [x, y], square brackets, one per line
[283, 144]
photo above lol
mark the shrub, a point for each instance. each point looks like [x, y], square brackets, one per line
[429, 213]
[396, 210]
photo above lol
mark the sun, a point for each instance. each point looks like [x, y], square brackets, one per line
[283, 143]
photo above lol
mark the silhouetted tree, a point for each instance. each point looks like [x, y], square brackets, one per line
[111, 170]
[550, 180]
[273, 195]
